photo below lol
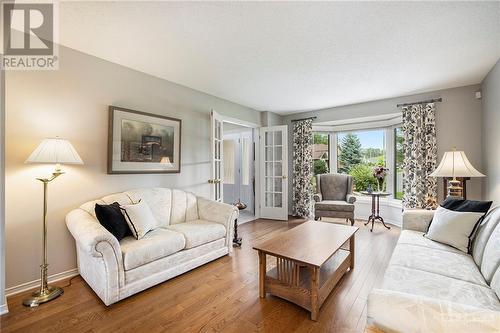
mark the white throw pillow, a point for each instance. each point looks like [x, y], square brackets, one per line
[139, 218]
[453, 228]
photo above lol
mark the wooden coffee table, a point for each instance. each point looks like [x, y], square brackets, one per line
[309, 263]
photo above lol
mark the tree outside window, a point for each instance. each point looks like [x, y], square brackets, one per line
[358, 153]
[321, 149]
[398, 161]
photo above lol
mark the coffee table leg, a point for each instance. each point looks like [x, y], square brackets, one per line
[314, 293]
[351, 250]
[262, 274]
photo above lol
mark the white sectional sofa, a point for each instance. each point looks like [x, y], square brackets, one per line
[190, 232]
[431, 287]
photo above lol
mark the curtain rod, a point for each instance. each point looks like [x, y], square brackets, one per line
[434, 100]
[312, 118]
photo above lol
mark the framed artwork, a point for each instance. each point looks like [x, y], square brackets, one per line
[140, 142]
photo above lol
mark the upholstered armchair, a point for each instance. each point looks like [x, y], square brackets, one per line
[334, 197]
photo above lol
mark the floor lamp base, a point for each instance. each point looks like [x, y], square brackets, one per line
[38, 297]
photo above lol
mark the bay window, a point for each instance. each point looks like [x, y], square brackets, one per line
[356, 149]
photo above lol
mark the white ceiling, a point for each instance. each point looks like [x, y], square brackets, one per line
[293, 56]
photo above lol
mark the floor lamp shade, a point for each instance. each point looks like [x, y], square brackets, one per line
[58, 151]
[55, 150]
[455, 164]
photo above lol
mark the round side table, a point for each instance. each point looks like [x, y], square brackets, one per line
[376, 207]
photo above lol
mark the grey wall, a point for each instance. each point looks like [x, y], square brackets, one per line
[269, 118]
[72, 102]
[491, 134]
[458, 124]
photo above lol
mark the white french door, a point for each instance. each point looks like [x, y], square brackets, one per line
[273, 167]
[217, 157]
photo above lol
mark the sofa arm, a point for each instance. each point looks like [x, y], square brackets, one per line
[393, 311]
[350, 198]
[417, 219]
[90, 235]
[317, 197]
[219, 212]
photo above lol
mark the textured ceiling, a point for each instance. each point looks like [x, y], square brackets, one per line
[293, 56]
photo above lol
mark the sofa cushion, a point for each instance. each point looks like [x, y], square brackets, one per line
[173, 261]
[417, 282]
[483, 233]
[495, 282]
[454, 265]
[199, 232]
[334, 186]
[334, 205]
[122, 198]
[154, 245]
[159, 201]
[184, 207]
[491, 255]
[417, 238]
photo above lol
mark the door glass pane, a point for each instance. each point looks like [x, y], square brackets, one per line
[278, 170]
[269, 153]
[269, 200]
[277, 200]
[269, 184]
[269, 169]
[269, 138]
[277, 138]
[278, 184]
[277, 153]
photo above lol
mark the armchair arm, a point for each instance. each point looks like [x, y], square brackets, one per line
[318, 197]
[393, 311]
[219, 212]
[350, 198]
[417, 219]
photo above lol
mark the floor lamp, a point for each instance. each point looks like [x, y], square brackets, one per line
[54, 151]
[455, 164]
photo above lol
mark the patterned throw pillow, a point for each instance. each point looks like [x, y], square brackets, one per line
[139, 218]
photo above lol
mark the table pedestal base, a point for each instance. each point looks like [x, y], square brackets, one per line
[376, 213]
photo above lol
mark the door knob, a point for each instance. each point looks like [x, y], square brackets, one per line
[284, 177]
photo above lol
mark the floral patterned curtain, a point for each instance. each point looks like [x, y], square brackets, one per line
[302, 168]
[420, 154]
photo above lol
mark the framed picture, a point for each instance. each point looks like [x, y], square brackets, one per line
[140, 142]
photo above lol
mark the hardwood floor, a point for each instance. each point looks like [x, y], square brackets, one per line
[220, 296]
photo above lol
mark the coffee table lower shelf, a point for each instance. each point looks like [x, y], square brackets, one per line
[305, 285]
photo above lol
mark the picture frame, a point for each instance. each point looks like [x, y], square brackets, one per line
[143, 143]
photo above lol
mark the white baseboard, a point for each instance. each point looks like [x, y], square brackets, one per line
[3, 309]
[35, 283]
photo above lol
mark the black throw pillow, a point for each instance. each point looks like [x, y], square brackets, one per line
[111, 218]
[463, 205]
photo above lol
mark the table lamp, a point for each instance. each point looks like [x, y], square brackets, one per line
[55, 151]
[455, 164]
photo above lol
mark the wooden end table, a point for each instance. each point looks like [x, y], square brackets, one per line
[376, 208]
[309, 263]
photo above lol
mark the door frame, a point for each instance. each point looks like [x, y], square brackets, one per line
[256, 143]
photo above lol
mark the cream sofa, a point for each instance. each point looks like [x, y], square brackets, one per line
[190, 232]
[432, 287]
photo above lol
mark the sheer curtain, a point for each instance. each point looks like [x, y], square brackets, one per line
[420, 154]
[302, 168]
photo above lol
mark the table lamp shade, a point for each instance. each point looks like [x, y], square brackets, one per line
[455, 164]
[55, 150]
